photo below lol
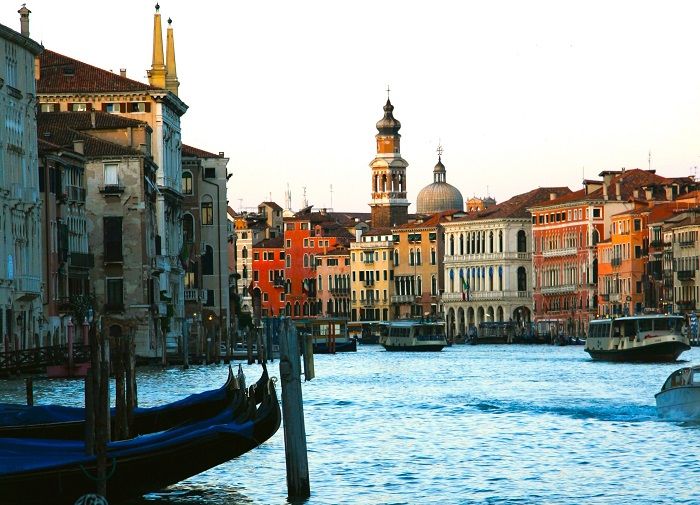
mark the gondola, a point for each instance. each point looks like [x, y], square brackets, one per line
[40, 471]
[68, 423]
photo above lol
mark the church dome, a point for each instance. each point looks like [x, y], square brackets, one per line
[388, 125]
[439, 196]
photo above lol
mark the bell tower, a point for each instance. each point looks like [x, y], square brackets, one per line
[389, 205]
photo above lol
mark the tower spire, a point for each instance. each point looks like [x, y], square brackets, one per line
[171, 82]
[156, 75]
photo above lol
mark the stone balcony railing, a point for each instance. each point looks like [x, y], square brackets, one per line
[403, 298]
[562, 288]
[487, 257]
[566, 251]
[28, 284]
[486, 295]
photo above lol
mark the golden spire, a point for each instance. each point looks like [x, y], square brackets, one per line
[156, 76]
[171, 82]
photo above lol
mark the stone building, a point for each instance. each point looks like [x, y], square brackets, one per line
[333, 282]
[66, 84]
[120, 216]
[204, 254]
[67, 259]
[488, 265]
[268, 276]
[21, 311]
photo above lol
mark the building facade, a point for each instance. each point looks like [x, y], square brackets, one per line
[333, 282]
[488, 265]
[21, 312]
[268, 276]
[372, 271]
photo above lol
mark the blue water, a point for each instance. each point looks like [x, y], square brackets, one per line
[472, 424]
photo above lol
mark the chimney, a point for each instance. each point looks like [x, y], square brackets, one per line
[648, 193]
[552, 196]
[92, 118]
[24, 20]
[358, 234]
[605, 190]
[221, 153]
[669, 193]
[122, 72]
[636, 193]
[618, 191]
[79, 146]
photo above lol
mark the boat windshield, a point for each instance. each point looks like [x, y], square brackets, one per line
[678, 378]
[669, 324]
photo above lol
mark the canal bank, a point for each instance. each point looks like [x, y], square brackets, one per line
[471, 424]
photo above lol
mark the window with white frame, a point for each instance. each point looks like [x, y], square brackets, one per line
[111, 174]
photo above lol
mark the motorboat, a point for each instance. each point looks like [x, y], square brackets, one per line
[414, 336]
[648, 338]
[679, 398]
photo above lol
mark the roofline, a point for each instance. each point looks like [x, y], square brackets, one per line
[30, 45]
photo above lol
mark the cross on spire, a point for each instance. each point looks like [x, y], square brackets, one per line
[440, 149]
[388, 90]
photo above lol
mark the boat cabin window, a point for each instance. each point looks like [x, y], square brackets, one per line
[695, 378]
[624, 328]
[646, 324]
[672, 324]
[599, 330]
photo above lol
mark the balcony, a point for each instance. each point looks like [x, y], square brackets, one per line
[686, 275]
[686, 243]
[486, 296]
[369, 282]
[81, 260]
[191, 295]
[368, 260]
[75, 193]
[403, 298]
[340, 291]
[566, 251]
[160, 263]
[111, 189]
[616, 262]
[605, 297]
[656, 243]
[368, 302]
[563, 288]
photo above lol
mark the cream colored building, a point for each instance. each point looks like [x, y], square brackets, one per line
[66, 84]
[372, 275]
[488, 265]
[21, 318]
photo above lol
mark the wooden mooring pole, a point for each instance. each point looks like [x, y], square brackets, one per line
[30, 391]
[293, 415]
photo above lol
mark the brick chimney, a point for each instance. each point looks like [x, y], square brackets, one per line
[24, 20]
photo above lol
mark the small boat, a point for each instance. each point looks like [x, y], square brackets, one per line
[40, 471]
[649, 338]
[679, 398]
[56, 421]
[414, 335]
[329, 334]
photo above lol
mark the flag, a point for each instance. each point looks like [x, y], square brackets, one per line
[185, 255]
[465, 290]
[305, 286]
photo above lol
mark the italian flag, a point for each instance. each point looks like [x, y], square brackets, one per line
[465, 290]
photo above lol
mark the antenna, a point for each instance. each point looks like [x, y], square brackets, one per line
[305, 201]
[649, 159]
[331, 196]
[240, 204]
[288, 198]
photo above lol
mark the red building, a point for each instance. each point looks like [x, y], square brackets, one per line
[306, 235]
[268, 276]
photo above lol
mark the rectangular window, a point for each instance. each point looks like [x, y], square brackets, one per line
[210, 172]
[256, 275]
[115, 295]
[289, 227]
[111, 174]
[112, 108]
[637, 224]
[112, 238]
[256, 255]
[78, 107]
[304, 226]
[596, 212]
[209, 302]
[138, 107]
[208, 213]
[49, 107]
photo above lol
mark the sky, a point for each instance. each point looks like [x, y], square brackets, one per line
[519, 94]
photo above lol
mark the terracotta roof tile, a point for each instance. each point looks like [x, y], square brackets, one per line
[83, 120]
[517, 206]
[194, 152]
[60, 135]
[62, 74]
[270, 243]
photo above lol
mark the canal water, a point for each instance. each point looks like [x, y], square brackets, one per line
[472, 424]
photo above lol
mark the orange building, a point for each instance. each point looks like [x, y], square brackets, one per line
[268, 276]
[333, 282]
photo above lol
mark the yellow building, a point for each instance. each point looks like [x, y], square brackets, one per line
[418, 274]
[372, 275]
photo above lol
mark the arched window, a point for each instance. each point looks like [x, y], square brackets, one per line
[490, 241]
[461, 243]
[522, 279]
[208, 261]
[594, 237]
[418, 257]
[207, 216]
[187, 183]
[188, 228]
[452, 245]
[411, 257]
[297, 309]
[306, 260]
[396, 257]
[244, 252]
[419, 285]
[522, 241]
[245, 271]
[500, 241]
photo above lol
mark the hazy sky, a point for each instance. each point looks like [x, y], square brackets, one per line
[521, 94]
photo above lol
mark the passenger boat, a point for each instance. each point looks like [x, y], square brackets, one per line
[56, 421]
[679, 398]
[329, 334]
[646, 338]
[367, 332]
[412, 335]
[40, 471]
